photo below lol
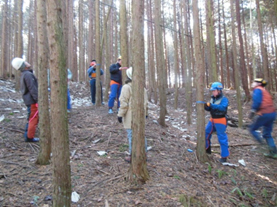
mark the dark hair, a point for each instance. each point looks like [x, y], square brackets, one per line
[93, 61]
[128, 80]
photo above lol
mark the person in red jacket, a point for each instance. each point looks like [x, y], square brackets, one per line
[263, 114]
[29, 90]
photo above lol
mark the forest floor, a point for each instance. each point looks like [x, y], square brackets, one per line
[177, 178]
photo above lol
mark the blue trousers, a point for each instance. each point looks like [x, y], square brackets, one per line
[68, 100]
[115, 93]
[93, 90]
[266, 122]
[130, 135]
[218, 125]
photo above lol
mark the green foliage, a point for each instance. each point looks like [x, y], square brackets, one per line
[221, 173]
[209, 167]
[264, 193]
[238, 191]
[123, 147]
[7, 120]
[11, 113]
[233, 180]
[188, 201]
[176, 177]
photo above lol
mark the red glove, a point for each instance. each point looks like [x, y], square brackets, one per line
[36, 105]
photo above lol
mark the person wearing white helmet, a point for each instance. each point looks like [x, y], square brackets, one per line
[116, 84]
[125, 111]
[217, 106]
[29, 90]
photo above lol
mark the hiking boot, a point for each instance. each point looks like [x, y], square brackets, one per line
[222, 160]
[271, 155]
[110, 111]
[128, 159]
[209, 150]
[35, 139]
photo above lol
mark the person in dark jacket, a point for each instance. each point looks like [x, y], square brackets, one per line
[217, 106]
[263, 114]
[116, 84]
[92, 75]
[29, 90]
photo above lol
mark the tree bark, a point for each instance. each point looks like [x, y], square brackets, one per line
[200, 149]
[235, 68]
[43, 102]
[59, 119]
[4, 45]
[159, 62]
[138, 168]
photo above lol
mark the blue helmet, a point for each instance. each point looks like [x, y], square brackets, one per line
[216, 86]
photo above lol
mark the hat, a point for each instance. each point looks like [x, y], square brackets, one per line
[119, 58]
[260, 80]
[18, 63]
[129, 72]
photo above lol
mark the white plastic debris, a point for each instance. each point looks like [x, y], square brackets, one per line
[149, 148]
[229, 164]
[75, 197]
[2, 118]
[95, 141]
[101, 153]
[242, 162]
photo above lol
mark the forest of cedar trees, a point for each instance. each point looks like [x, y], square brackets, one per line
[177, 47]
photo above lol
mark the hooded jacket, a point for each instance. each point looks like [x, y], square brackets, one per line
[115, 73]
[125, 110]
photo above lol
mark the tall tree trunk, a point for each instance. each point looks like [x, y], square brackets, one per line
[98, 52]
[226, 49]
[176, 63]
[70, 51]
[159, 62]
[200, 150]
[123, 37]
[235, 68]
[82, 67]
[188, 72]
[211, 42]
[220, 46]
[19, 49]
[4, 45]
[243, 71]
[59, 120]
[138, 168]
[263, 49]
[43, 54]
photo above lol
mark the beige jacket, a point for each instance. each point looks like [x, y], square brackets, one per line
[125, 110]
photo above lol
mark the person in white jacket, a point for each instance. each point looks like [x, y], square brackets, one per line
[125, 111]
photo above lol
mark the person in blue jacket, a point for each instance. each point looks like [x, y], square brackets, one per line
[115, 83]
[92, 75]
[217, 106]
[263, 114]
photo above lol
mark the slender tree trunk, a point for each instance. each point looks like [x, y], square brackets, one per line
[226, 49]
[263, 49]
[98, 51]
[159, 62]
[243, 71]
[43, 54]
[188, 83]
[235, 68]
[123, 37]
[200, 149]
[82, 67]
[4, 45]
[211, 42]
[59, 121]
[138, 168]
[176, 63]
[220, 46]
[19, 49]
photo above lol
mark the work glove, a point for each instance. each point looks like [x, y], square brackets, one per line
[207, 104]
[119, 119]
[37, 105]
[252, 114]
[146, 116]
